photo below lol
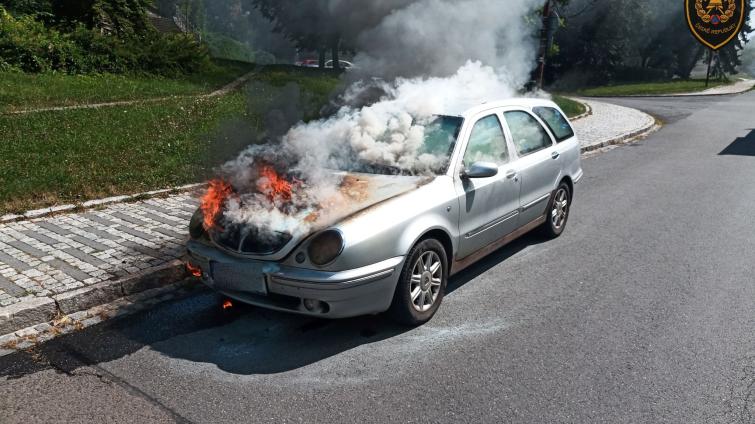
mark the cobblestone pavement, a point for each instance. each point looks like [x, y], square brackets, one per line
[609, 122]
[57, 254]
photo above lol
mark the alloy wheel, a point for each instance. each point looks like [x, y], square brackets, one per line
[426, 279]
[560, 209]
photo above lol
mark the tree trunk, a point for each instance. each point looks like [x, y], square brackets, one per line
[321, 51]
[336, 46]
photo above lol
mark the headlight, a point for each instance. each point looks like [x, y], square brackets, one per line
[196, 225]
[325, 247]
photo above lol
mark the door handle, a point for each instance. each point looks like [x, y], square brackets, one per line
[555, 155]
[511, 175]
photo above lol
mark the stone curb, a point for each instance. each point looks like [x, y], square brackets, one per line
[626, 138]
[584, 115]
[40, 213]
[31, 336]
[37, 310]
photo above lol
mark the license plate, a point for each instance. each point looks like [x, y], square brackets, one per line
[241, 278]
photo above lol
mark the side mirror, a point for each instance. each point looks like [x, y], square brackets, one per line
[480, 170]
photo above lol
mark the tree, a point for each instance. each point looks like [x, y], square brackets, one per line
[307, 24]
[192, 13]
[27, 7]
[615, 40]
[326, 25]
[120, 16]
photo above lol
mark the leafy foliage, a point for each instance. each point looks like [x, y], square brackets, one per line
[27, 44]
[124, 17]
[612, 41]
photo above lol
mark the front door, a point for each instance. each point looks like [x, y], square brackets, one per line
[538, 164]
[489, 206]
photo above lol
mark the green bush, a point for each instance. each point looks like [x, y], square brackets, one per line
[28, 45]
[225, 47]
[170, 54]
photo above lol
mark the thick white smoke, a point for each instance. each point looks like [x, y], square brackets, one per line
[435, 57]
[436, 37]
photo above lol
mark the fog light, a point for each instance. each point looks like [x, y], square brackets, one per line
[301, 257]
[316, 306]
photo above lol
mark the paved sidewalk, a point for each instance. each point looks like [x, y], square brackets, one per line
[610, 124]
[42, 261]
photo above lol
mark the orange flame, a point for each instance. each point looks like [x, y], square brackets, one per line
[273, 186]
[227, 304]
[194, 270]
[212, 202]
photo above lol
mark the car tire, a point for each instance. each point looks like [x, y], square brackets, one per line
[557, 214]
[419, 294]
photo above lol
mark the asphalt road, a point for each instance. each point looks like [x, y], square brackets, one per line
[643, 312]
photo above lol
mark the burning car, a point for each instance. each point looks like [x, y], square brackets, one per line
[387, 238]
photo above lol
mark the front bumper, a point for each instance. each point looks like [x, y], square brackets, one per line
[362, 291]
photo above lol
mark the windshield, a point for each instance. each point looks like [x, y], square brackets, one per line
[432, 157]
[440, 136]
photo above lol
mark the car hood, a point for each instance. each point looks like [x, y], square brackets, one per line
[359, 192]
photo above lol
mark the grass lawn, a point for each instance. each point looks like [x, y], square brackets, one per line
[71, 156]
[19, 91]
[670, 87]
[570, 107]
[301, 91]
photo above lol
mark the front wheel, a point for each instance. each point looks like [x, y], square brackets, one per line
[558, 212]
[422, 284]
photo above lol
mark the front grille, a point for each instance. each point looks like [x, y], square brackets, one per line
[251, 241]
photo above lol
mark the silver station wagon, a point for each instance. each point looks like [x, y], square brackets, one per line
[512, 167]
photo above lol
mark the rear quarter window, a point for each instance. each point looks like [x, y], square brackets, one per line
[556, 122]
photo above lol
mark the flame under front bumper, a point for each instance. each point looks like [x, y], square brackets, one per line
[362, 291]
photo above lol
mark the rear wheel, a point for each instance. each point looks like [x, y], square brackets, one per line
[558, 212]
[422, 284]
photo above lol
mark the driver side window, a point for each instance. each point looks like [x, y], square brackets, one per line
[487, 143]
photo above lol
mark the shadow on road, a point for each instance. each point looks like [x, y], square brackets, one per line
[743, 146]
[247, 340]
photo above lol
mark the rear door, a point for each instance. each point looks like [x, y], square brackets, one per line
[489, 206]
[538, 164]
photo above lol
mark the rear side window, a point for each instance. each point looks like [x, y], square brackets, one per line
[556, 122]
[529, 136]
[487, 143]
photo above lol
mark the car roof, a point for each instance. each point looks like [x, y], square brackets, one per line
[468, 111]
